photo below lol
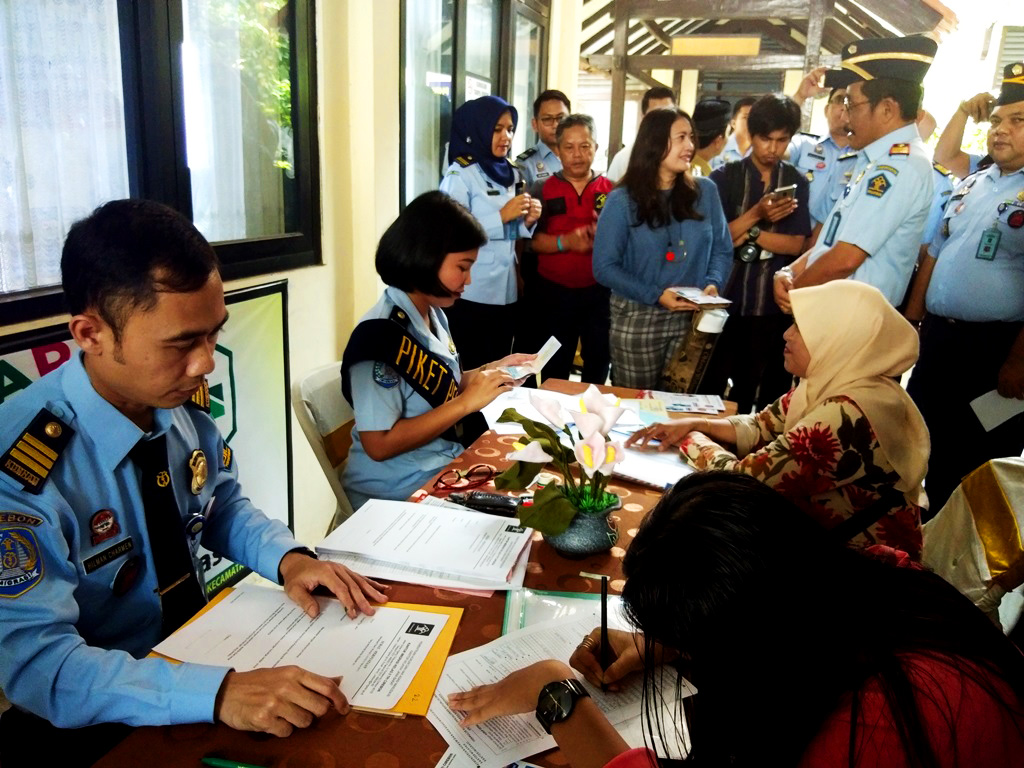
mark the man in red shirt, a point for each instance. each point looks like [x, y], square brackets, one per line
[566, 301]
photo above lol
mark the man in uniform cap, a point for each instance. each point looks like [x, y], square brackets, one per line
[710, 119]
[972, 285]
[873, 232]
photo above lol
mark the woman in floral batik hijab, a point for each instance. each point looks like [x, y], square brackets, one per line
[847, 445]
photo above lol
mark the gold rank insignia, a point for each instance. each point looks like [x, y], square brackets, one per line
[1020, 195]
[1017, 70]
[201, 398]
[163, 478]
[451, 346]
[34, 454]
[197, 463]
[225, 456]
[899, 149]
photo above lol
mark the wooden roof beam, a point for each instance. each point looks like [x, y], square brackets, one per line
[728, 63]
[715, 9]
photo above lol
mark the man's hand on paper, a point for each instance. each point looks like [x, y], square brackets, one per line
[277, 701]
[516, 694]
[302, 574]
[670, 434]
[1011, 378]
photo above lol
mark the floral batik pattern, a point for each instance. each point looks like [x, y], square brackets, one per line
[830, 465]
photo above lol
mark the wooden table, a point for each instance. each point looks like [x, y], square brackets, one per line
[373, 741]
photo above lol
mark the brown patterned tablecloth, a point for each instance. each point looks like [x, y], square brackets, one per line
[373, 741]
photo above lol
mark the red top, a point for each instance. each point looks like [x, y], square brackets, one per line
[983, 734]
[564, 211]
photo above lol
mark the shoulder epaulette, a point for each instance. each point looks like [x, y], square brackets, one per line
[848, 156]
[201, 398]
[400, 316]
[942, 169]
[34, 454]
[464, 160]
[527, 154]
[902, 148]
[809, 134]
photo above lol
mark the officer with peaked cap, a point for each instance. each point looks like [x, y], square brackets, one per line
[972, 285]
[873, 232]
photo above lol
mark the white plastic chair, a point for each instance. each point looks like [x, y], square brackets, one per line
[975, 540]
[326, 419]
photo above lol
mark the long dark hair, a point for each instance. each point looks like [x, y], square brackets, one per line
[641, 178]
[777, 623]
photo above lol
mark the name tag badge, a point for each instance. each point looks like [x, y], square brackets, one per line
[989, 244]
[830, 234]
[491, 191]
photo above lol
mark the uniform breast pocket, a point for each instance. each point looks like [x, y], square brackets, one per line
[1011, 228]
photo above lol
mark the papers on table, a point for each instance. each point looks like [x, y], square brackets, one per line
[701, 299]
[648, 466]
[545, 354]
[377, 656]
[680, 403]
[992, 409]
[471, 548]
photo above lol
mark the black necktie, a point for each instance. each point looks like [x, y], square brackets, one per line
[181, 594]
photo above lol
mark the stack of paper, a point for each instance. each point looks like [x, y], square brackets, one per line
[649, 466]
[388, 662]
[697, 296]
[426, 544]
[675, 402]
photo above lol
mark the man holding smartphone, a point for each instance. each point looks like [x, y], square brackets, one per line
[766, 202]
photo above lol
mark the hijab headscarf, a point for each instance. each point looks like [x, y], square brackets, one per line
[472, 132]
[857, 343]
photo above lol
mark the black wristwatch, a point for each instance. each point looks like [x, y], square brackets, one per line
[556, 701]
[753, 233]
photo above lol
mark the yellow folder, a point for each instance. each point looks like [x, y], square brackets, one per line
[416, 699]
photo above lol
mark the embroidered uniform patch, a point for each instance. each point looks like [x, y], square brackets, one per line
[890, 169]
[384, 375]
[103, 526]
[878, 185]
[20, 565]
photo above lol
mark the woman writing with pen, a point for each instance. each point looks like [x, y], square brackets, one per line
[804, 653]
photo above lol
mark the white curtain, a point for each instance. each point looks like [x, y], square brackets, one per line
[61, 129]
[234, 143]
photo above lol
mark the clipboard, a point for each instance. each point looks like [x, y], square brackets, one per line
[416, 699]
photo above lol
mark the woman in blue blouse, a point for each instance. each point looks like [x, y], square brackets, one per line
[660, 228]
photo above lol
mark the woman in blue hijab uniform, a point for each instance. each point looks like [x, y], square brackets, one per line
[482, 179]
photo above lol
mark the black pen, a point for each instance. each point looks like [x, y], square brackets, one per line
[604, 627]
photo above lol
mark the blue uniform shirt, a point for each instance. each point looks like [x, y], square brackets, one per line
[494, 273]
[729, 154]
[538, 163]
[826, 166]
[72, 648]
[943, 179]
[883, 211]
[381, 397]
[633, 260]
[970, 282]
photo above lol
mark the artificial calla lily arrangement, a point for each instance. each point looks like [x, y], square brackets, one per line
[555, 506]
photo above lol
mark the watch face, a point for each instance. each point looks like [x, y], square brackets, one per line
[556, 703]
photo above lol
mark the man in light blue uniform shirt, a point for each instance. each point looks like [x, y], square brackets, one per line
[873, 233]
[540, 162]
[381, 397]
[972, 285]
[826, 161]
[114, 474]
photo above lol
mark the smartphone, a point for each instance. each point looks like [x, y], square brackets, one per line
[783, 193]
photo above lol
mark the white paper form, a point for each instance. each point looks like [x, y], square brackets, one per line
[545, 354]
[375, 569]
[503, 740]
[992, 409]
[378, 656]
[465, 544]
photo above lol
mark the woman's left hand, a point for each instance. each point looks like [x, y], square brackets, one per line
[516, 694]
